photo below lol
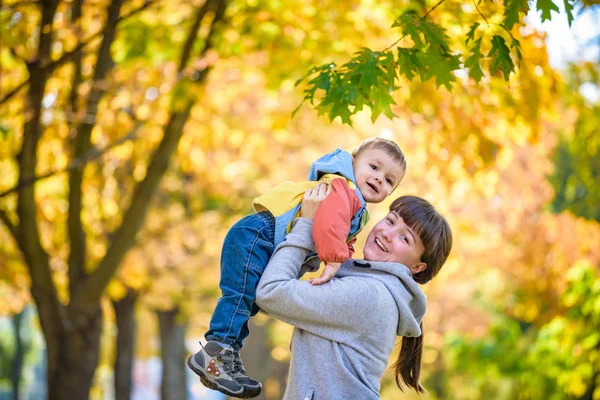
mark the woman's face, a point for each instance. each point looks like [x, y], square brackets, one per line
[391, 240]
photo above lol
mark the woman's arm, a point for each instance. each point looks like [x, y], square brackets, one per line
[338, 310]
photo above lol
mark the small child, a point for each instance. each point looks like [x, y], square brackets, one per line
[369, 175]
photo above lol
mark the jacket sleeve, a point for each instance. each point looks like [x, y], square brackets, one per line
[351, 249]
[339, 310]
[332, 222]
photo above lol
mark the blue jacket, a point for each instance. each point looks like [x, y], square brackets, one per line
[284, 200]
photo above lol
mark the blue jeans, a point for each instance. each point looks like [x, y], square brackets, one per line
[246, 251]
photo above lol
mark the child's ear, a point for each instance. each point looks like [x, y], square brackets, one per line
[418, 268]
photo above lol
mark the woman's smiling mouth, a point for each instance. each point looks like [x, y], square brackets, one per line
[381, 245]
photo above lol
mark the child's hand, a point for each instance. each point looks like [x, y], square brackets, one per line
[330, 270]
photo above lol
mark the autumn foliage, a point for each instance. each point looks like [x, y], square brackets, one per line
[133, 133]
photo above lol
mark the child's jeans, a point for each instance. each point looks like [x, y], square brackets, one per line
[246, 251]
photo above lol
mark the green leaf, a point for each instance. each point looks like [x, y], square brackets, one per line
[342, 111]
[515, 44]
[313, 70]
[569, 11]
[471, 33]
[500, 55]
[546, 7]
[388, 65]
[512, 9]
[409, 62]
[321, 81]
[410, 24]
[398, 22]
[434, 34]
[381, 103]
[366, 80]
[440, 65]
[473, 62]
[366, 68]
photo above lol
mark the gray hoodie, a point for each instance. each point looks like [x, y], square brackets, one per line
[346, 328]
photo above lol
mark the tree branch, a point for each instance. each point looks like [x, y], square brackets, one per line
[10, 226]
[433, 8]
[77, 248]
[403, 36]
[32, 249]
[51, 312]
[20, 3]
[191, 39]
[91, 155]
[82, 144]
[124, 238]
[50, 66]
[77, 58]
[480, 13]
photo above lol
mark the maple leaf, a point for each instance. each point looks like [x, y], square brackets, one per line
[500, 55]
[546, 7]
[409, 62]
[515, 44]
[473, 62]
[440, 65]
[512, 9]
[409, 23]
[569, 10]
[434, 34]
[471, 33]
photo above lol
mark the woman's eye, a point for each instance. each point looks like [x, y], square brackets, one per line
[389, 220]
[405, 238]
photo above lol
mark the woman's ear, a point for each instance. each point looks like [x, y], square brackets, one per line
[418, 268]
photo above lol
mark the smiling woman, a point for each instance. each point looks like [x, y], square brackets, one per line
[349, 325]
[391, 240]
[426, 231]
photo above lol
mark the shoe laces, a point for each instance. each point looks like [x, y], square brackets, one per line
[227, 357]
[238, 362]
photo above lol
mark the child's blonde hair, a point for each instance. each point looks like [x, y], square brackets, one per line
[389, 147]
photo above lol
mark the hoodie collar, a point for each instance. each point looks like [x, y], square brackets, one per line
[397, 278]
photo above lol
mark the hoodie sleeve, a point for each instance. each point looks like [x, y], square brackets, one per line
[338, 310]
[332, 222]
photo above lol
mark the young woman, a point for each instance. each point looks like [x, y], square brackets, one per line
[346, 329]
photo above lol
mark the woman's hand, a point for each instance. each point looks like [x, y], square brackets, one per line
[312, 198]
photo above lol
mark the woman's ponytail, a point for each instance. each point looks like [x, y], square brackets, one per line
[407, 369]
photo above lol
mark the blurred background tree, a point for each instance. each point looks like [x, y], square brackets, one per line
[134, 133]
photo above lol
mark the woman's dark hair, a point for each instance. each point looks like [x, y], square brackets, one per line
[436, 235]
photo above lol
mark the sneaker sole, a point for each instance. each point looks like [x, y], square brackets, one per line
[212, 384]
[250, 393]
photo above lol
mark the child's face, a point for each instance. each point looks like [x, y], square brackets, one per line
[391, 240]
[377, 174]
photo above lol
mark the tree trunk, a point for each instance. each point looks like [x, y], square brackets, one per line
[437, 380]
[256, 355]
[172, 348]
[19, 356]
[76, 357]
[72, 333]
[125, 315]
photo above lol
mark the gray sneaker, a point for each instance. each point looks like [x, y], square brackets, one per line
[215, 366]
[251, 387]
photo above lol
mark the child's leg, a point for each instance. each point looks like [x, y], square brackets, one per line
[246, 251]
